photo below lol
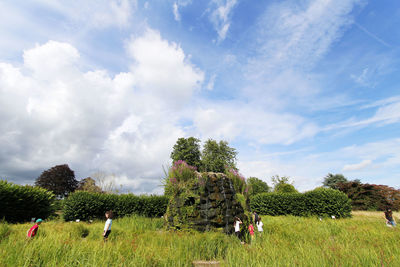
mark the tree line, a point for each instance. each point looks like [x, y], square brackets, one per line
[218, 156]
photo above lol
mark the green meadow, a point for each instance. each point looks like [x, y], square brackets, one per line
[363, 240]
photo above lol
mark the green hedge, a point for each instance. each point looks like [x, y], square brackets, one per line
[86, 205]
[22, 203]
[320, 201]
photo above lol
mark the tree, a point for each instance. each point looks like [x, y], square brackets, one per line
[59, 179]
[282, 184]
[187, 149]
[332, 180]
[107, 182]
[370, 196]
[89, 185]
[216, 157]
[257, 186]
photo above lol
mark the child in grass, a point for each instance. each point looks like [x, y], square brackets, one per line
[259, 226]
[251, 231]
[107, 226]
[236, 225]
[33, 230]
[389, 217]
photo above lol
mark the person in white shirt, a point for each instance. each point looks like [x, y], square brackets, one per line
[259, 225]
[107, 226]
[236, 225]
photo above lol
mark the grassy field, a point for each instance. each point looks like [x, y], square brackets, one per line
[363, 240]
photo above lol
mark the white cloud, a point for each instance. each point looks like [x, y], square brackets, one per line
[52, 112]
[387, 113]
[175, 9]
[230, 120]
[178, 4]
[220, 16]
[95, 13]
[299, 34]
[291, 38]
[378, 163]
[211, 81]
[358, 166]
[163, 69]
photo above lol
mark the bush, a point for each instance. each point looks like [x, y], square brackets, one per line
[21, 203]
[86, 205]
[320, 201]
[326, 201]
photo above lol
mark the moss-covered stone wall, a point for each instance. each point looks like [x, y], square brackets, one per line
[207, 202]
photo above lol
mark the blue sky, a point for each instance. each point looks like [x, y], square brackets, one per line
[299, 88]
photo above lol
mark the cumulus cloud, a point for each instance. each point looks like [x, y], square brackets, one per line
[52, 112]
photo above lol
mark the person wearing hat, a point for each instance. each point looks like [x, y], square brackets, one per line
[32, 232]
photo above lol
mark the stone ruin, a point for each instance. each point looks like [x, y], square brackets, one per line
[205, 205]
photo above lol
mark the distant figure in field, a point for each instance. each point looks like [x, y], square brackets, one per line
[33, 231]
[255, 217]
[259, 225]
[236, 225]
[251, 231]
[107, 226]
[389, 217]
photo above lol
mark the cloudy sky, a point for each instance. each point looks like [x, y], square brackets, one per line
[299, 88]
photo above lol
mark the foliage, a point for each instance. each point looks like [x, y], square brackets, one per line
[21, 203]
[371, 196]
[137, 241]
[5, 230]
[89, 185]
[217, 157]
[59, 179]
[177, 175]
[282, 184]
[188, 150]
[85, 205]
[257, 186]
[320, 201]
[238, 180]
[332, 180]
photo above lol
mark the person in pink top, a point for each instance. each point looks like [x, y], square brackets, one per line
[32, 232]
[251, 231]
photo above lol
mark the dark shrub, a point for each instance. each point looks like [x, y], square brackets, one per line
[85, 205]
[21, 203]
[320, 201]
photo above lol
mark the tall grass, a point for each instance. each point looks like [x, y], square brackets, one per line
[136, 241]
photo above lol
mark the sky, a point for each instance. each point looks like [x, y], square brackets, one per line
[300, 88]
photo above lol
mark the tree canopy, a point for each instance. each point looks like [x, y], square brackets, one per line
[257, 186]
[59, 179]
[332, 180]
[89, 185]
[217, 156]
[282, 184]
[188, 150]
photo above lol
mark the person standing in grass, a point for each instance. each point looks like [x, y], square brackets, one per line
[389, 217]
[107, 226]
[33, 231]
[255, 217]
[251, 231]
[259, 225]
[236, 225]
